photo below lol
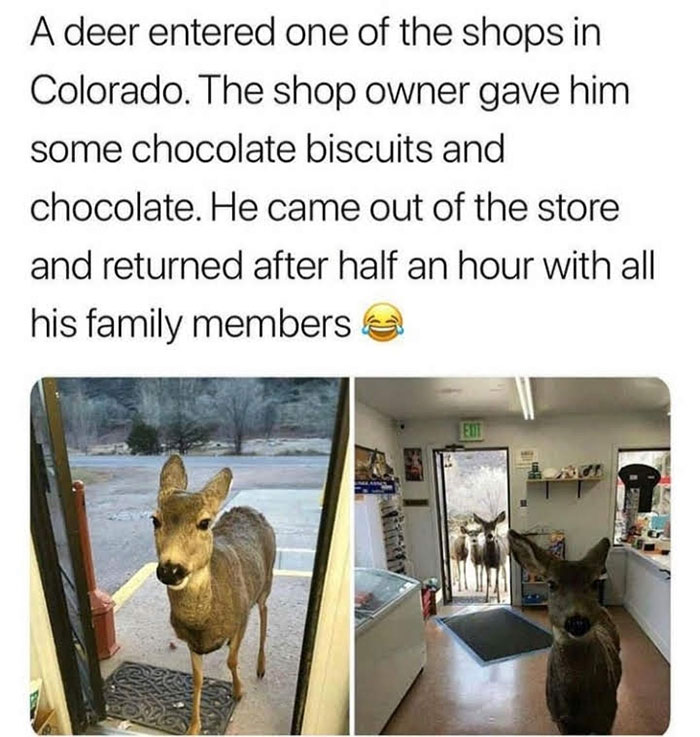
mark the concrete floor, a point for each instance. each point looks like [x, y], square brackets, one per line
[144, 634]
[462, 596]
[456, 695]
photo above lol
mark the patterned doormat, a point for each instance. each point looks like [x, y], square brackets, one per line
[162, 699]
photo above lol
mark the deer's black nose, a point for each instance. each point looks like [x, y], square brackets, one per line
[577, 625]
[170, 574]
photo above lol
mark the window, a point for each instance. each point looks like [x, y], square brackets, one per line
[660, 459]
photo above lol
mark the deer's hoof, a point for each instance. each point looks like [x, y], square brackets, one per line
[194, 728]
[261, 673]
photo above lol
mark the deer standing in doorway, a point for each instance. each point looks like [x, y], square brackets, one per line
[215, 572]
[493, 555]
[584, 668]
[476, 553]
[459, 552]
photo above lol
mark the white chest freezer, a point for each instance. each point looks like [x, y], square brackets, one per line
[389, 644]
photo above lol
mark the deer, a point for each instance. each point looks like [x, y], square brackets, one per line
[459, 552]
[584, 667]
[477, 555]
[216, 572]
[492, 552]
[503, 543]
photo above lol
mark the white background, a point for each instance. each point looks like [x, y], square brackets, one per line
[645, 155]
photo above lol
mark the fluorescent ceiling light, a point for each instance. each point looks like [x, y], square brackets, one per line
[528, 397]
[521, 397]
[525, 397]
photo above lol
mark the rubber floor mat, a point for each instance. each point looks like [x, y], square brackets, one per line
[162, 699]
[496, 634]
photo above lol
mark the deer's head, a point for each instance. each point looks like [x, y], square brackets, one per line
[573, 601]
[182, 522]
[489, 528]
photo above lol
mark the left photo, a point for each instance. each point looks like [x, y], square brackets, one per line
[189, 555]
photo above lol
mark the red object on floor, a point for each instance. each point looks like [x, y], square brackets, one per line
[428, 600]
[101, 603]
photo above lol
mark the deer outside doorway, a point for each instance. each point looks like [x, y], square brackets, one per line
[473, 491]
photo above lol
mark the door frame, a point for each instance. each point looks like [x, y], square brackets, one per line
[331, 497]
[441, 504]
[443, 532]
[85, 707]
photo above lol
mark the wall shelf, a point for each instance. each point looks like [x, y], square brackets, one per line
[578, 481]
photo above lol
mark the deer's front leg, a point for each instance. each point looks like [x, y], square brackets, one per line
[197, 679]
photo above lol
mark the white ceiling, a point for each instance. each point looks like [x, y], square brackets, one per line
[401, 398]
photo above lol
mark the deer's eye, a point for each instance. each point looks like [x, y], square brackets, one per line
[203, 524]
[553, 585]
[156, 522]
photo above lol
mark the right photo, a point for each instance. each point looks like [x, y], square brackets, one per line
[512, 555]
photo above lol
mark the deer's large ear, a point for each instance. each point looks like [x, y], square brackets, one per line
[478, 520]
[595, 558]
[216, 489]
[530, 556]
[172, 477]
[501, 517]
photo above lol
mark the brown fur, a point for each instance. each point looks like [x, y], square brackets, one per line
[583, 672]
[229, 569]
[492, 552]
[476, 552]
[459, 552]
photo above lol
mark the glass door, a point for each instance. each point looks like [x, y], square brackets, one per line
[443, 532]
[56, 538]
[474, 504]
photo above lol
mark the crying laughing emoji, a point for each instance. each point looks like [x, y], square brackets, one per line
[382, 322]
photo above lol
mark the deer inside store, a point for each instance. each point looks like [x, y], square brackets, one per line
[215, 571]
[584, 667]
[493, 552]
[459, 552]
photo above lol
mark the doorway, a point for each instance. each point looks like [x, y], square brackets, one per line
[473, 503]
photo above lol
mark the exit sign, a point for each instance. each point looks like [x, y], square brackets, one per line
[471, 430]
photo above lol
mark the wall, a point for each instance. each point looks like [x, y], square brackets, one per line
[559, 440]
[43, 661]
[372, 430]
[375, 430]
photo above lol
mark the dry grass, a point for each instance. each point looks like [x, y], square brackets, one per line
[91, 476]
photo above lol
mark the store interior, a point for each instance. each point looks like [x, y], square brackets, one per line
[444, 467]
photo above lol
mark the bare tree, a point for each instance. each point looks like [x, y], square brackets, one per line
[476, 488]
[269, 416]
[150, 404]
[184, 408]
[238, 401]
[79, 419]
